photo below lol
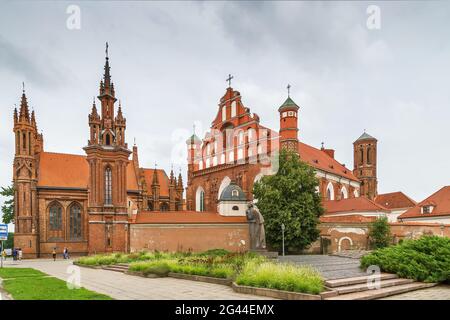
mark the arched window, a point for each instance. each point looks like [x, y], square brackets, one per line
[200, 200]
[149, 206]
[55, 218]
[361, 160]
[164, 207]
[108, 140]
[368, 155]
[75, 221]
[108, 186]
[24, 141]
[330, 191]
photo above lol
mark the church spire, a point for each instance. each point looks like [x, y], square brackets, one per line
[24, 112]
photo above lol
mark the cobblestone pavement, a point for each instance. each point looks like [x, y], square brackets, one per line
[331, 267]
[127, 287]
[355, 254]
[440, 292]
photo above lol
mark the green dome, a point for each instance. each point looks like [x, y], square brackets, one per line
[289, 103]
[232, 193]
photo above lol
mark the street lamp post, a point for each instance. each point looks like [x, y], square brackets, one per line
[282, 234]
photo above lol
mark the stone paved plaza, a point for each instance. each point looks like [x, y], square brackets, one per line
[331, 267]
[126, 287]
[441, 292]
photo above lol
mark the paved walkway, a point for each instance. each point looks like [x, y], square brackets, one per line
[440, 292]
[126, 287]
[331, 267]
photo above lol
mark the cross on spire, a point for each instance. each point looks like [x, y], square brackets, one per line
[230, 77]
[289, 89]
[322, 145]
[106, 50]
[23, 87]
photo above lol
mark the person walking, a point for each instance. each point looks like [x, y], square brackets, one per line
[54, 254]
[20, 254]
[4, 254]
[65, 253]
[14, 254]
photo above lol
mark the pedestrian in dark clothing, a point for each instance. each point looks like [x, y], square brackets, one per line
[54, 254]
[14, 254]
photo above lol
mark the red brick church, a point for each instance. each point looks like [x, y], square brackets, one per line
[104, 201]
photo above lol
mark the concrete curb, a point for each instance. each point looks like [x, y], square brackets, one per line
[272, 293]
[192, 277]
[86, 266]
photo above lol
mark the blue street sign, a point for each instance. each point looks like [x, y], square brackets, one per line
[3, 232]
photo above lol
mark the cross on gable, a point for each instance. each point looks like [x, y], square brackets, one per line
[230, 77]
[288, 89]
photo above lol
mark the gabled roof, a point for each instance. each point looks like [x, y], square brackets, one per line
[395, 200]
[63, 170]
[440, 200]
[152, 217]
[322, 161]
[163, 181]
[360, 204]
[365, 136]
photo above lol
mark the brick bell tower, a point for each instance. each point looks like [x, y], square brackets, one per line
[107, 155]
[365, 164]
[28, 143]
[289, 124]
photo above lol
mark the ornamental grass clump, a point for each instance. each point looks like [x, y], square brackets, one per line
[426, 259]
[281, 276]
[286, 277]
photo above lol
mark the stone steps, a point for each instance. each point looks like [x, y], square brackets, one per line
[363, 286]
[356, 280]
[382, 292]
[116, 268]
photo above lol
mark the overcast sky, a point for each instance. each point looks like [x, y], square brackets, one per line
[169, 62]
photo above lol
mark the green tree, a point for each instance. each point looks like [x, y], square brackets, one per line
[8, 244]
[289, 197]
[380, 233]
[8, 205]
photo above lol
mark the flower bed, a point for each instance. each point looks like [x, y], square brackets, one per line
[248, 270]
[286, 277]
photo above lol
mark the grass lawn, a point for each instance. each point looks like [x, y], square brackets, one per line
[31, 284]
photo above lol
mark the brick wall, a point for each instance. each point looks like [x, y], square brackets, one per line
[189, 237]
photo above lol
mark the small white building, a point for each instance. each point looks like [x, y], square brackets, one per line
[232, 201]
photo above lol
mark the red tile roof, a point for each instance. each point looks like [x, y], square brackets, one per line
[163, 180]
[395, 200]
[360, 204]
[63, 170]
[322, 161]
[171, 217]
[347, 219]
[440, 199]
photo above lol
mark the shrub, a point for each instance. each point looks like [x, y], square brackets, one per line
[380, 233]
[279, 276]
[426, 259]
